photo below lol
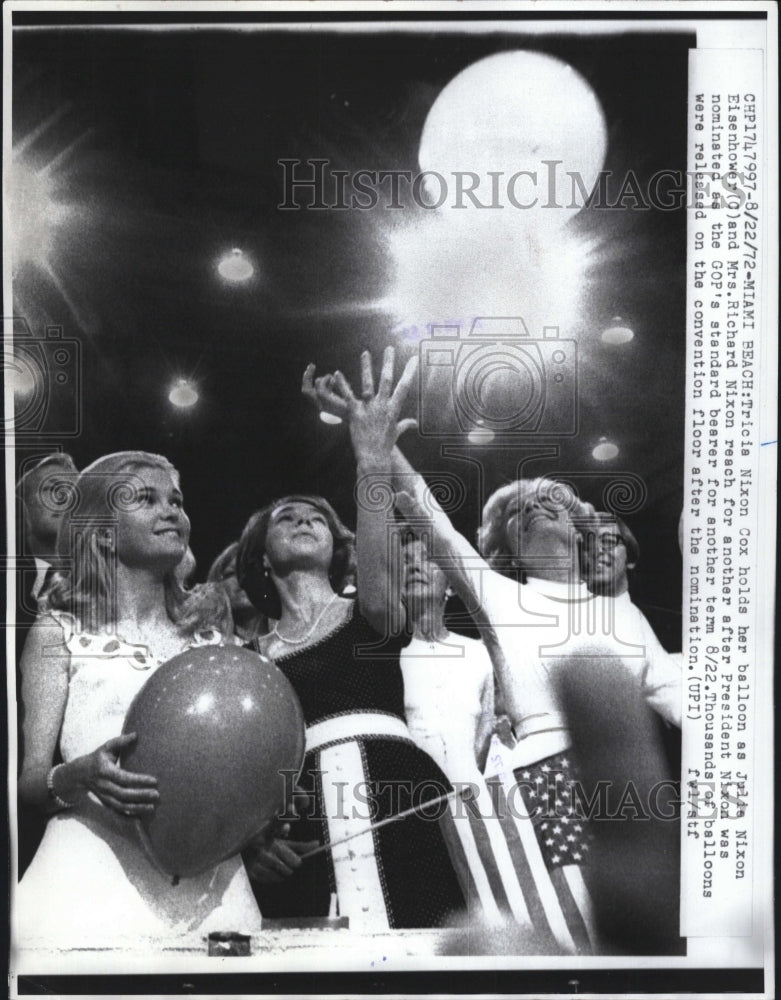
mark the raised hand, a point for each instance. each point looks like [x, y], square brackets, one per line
[412, 509]
[322, 393]
[373, 419]
[374, 425]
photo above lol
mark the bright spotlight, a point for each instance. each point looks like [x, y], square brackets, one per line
[605, 450]
[236, 267]
[33, 214]
[617, 332]
[329, 418]
[20, 377]
[183, 393]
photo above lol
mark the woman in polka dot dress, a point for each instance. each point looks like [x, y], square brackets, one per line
[112, 620]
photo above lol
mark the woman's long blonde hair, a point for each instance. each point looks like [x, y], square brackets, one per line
[87, 550]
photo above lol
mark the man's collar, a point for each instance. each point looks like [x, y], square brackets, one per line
[569, 590]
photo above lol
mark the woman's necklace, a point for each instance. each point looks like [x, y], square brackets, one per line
[310, 633]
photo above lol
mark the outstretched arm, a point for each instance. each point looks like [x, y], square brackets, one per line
[662, 677]
[374, 426]
[488, 597]
[460, 561]
[469, 574]
[463, 565]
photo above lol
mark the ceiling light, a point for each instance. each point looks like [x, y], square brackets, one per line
[236, 267]
[481, 435]
[183, 393]
[617, 332]
[605, 450]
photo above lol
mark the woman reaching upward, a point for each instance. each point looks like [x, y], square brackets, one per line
[342, 658]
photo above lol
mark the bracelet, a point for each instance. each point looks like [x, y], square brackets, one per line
[52, 794]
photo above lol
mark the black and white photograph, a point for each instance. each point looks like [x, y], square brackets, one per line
[390, 483]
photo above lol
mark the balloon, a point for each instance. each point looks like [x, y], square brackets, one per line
[215, 726]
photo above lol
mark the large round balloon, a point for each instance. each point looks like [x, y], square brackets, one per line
[216, 726]
[515, 111]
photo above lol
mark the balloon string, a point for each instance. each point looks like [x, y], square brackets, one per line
[329, 845]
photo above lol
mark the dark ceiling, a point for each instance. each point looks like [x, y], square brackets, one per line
[179, 137]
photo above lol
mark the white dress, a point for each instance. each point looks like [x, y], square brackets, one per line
[90, 885]
[444, 694]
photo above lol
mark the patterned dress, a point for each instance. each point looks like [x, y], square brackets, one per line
[90, 884]
[362, 768]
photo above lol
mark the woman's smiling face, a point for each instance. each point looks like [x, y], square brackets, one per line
[152, 527]
[539, 519]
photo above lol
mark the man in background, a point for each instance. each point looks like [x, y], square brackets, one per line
[610, 551]
[43, 492]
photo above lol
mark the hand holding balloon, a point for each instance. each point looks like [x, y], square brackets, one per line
[220, 727]
[124, 791]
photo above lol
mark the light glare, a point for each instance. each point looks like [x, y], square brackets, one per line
[517, 111]
[481, 435]
[617, 332]
[452, 268]
[183, 393]
[204, 703]
[236, 267]
[20, 377]
[33, 214]
[605, 450]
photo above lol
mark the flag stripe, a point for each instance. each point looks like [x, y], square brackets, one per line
[520, 863]
[495, 841]
[572, 913]
[486, 854]
[532, 873]
[582, 899]
[468, 875]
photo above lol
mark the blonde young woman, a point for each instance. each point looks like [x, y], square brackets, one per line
[110, 622]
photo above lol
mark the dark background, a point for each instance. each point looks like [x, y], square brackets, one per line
[176, 137]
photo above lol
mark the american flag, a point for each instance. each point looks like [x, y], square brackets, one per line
[562, 831]
[521, 857]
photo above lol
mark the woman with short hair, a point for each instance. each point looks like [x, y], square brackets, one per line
[362, 769]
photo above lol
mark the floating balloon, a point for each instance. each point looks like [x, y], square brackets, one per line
[216, 725]
[518, 111]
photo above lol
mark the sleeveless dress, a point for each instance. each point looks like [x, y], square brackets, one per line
[362, 767]
[508, 879]
[443, 699]
[90, 884]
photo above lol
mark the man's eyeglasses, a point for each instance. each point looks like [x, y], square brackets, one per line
[609, 542]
